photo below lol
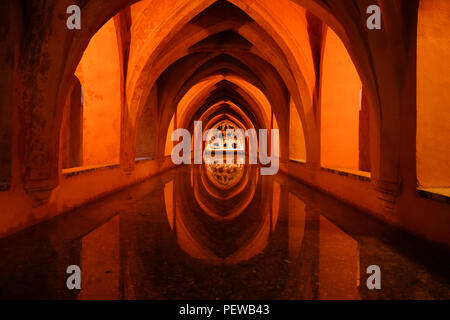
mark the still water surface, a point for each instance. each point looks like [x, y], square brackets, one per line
[219, 232]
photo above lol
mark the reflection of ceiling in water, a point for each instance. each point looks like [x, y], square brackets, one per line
[211, 209]
[225, 203]
[224, 174]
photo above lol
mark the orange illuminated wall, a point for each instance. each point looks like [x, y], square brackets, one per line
[433, 94]
[99, 74]
[297, 150]
[340, 103]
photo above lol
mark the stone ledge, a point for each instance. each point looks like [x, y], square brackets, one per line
[71, 172]
[142, 159]
[356, 174]
[298, 161]
[436, 194]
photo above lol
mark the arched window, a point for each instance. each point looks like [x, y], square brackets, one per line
[101, 98]
[344, 110]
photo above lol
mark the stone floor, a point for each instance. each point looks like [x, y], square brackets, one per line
[183, 235]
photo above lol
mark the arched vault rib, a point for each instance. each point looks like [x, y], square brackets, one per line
[224, 109]
[266, 80]
[206, 93]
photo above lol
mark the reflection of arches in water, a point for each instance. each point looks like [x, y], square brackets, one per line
[153, 265]
[169, 202]
[195, 231]
[225, 204]
[224, 175]
[316, 253]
